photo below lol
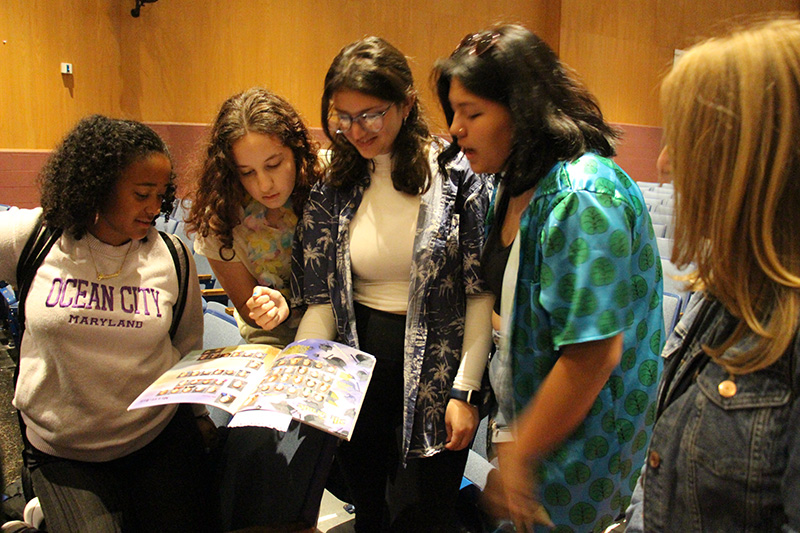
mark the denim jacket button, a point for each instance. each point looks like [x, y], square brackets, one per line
[727, 388]
[654, 459]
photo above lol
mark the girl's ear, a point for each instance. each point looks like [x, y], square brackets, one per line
[405, 108]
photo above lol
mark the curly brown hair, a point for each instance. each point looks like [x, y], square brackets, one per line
[218, 195]
[79, 177]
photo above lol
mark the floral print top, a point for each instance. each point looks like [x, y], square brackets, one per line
[445, 269]
[262, 242]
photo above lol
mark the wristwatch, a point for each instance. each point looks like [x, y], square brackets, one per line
[472, 397]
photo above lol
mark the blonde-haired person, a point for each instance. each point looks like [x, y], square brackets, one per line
[725, 454]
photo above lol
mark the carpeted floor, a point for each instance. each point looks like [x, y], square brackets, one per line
[10, 441]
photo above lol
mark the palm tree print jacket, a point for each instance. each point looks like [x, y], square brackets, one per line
[445, 270]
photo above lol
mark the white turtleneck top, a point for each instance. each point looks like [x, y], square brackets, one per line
[382, 242]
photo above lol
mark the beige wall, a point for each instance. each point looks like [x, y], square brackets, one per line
[622, 48]
[181, 58]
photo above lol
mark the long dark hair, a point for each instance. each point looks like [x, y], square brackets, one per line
[555, 116]
[218, 194]
[79, 177]
[374, 67]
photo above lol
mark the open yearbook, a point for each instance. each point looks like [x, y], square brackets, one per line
[320, 383]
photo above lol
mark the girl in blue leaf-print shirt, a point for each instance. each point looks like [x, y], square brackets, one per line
[571, 256]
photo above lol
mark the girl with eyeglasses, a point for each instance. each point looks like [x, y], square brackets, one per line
[572, 258]
[391, 242]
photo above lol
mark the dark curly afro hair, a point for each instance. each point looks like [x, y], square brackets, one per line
[78, 179]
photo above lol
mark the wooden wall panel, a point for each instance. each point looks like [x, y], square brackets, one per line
[622, 48]
[181, 58]
[37, 103]
[223, 46]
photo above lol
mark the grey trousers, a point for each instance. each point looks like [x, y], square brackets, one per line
[165, 486]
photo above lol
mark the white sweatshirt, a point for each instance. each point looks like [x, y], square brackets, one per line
[92, 346]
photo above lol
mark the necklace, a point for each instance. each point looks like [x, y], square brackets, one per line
[101, 277]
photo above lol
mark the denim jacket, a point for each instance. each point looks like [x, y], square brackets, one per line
[719, 461]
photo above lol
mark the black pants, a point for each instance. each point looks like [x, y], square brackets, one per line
[420, 496]
[273, 479]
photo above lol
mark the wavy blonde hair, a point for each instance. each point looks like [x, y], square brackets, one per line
[732, 127]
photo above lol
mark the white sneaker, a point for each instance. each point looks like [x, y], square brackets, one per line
[32, 514]
[17, 526]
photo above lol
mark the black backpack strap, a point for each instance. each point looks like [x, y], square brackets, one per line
[182, 268]
[35, 250]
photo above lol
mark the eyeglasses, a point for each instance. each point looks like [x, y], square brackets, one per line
[371, 122]
[476, 44]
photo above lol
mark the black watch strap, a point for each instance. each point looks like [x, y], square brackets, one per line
[472, 397]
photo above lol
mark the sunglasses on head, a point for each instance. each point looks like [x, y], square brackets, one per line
[476, 44]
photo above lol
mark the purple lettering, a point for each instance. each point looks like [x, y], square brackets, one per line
[54, 288]
[94, 298]
[136, 291]
[144, 292]
[122, 303]
[63, 302]
[80, 294]
[156, 293]
[108, 298]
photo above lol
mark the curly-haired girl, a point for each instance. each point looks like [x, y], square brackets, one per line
[98, 317]
[259, 167]
[260, 164]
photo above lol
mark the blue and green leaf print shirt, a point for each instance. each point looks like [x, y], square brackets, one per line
[588, 269]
